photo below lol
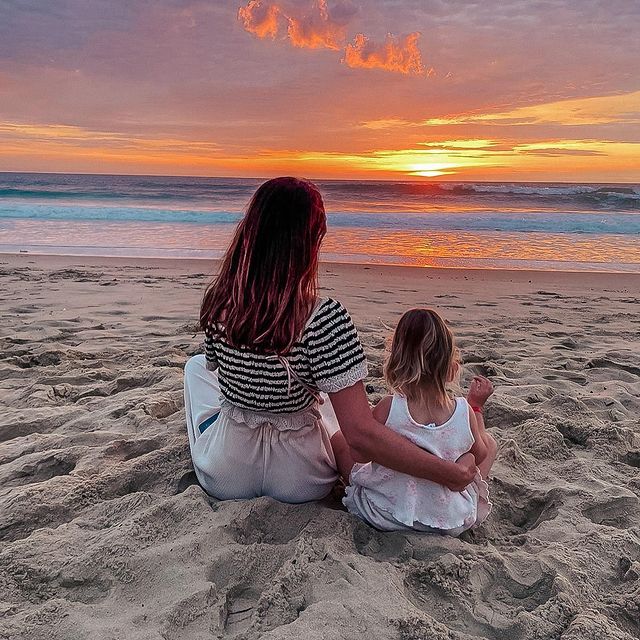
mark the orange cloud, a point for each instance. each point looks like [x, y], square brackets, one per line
[43, 147]
[316, 30]
[623, 108]
[259, 19]
[319, 28]
[401, 56]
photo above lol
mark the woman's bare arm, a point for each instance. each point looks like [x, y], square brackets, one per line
[369, 440]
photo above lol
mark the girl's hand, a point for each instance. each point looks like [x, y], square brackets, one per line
[481, 389]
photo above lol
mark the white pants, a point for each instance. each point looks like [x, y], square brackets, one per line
[234, 460]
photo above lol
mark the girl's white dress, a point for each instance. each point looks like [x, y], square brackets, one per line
[394, 501]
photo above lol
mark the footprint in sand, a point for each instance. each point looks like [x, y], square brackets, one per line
[520, 508]
[485, 369]
[255, 526]
[619, 511]
[196, 615]
[571, 377]
[632, 458]
[124, 450]
[126, 382]
[382, 547]
[185, 481]
[261, 587]
[28, 421]
[606, 363]
[40, 468]
[44, 359]
[575, 433]
[490, 591]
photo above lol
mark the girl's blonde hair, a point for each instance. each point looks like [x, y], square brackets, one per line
[422, 355]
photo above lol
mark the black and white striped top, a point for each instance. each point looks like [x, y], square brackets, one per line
[328, 357]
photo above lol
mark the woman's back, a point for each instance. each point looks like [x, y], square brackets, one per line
[255, 426]
[327, 357]
[254, 421]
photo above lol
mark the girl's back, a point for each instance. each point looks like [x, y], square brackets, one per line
[448, 440]
[390, 500]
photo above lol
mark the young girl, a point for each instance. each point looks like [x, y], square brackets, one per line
[423, 360]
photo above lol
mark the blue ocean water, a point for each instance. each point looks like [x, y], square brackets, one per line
[485, 225]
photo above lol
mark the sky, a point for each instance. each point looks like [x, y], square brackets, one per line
[531, 90]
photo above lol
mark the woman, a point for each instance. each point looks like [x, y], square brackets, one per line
[257, 423]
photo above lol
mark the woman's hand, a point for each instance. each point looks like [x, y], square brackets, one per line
[480, 391]
[467, 470]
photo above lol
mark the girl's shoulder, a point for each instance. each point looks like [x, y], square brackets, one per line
[462, 410]
[382, 409]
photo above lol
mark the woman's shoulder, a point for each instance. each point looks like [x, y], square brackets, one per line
[329, 303]
[331, 343]
[329, 318]
[328, 309]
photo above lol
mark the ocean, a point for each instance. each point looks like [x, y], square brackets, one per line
[547, 226]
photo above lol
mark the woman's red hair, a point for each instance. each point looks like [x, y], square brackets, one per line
[267, 285]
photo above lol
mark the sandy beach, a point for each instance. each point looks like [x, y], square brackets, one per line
[105, 533]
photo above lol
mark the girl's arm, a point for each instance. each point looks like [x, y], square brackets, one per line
[369, 440]
[481, 426]
[479, 448]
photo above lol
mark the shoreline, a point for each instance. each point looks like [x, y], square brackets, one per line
[195, 265]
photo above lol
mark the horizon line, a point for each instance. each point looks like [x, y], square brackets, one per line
[425, 180]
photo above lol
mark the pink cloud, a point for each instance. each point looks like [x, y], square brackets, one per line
[316, 28]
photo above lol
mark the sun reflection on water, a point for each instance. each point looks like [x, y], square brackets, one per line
[419, 248]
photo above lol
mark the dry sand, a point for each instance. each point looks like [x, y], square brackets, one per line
[105, 534]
